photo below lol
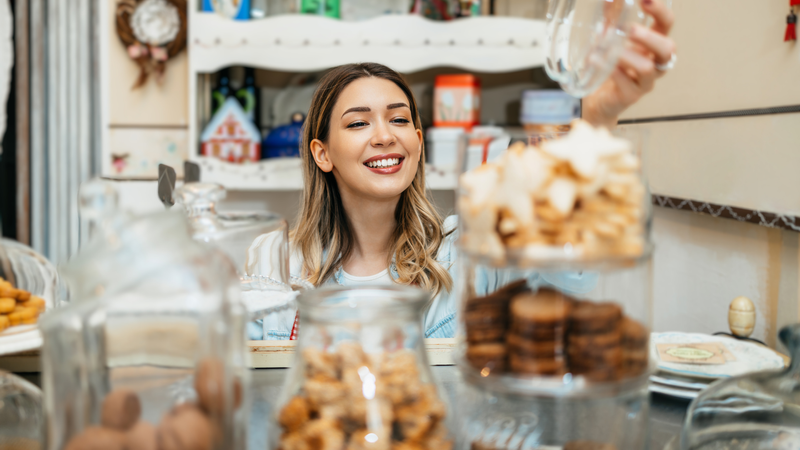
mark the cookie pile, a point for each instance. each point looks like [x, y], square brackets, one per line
[550, 334]
[18, 307]
[351, 400]
[572, 198]
[535, 341]
[486, 321]
[188, 426]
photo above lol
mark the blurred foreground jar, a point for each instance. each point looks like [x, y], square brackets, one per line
[555, 287]
[757, 411]
[150, 354]
[361, 377]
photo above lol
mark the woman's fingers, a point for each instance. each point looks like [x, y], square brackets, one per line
[662, 16]
[641, 69]
[656, 43]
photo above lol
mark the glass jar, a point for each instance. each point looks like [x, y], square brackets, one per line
[757, 411]
[585, 39]
[152, 349]
[21, 415]
[256, 242]
[555, 289]
[361, 377]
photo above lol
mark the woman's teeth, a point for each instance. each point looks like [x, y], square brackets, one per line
[389, 162]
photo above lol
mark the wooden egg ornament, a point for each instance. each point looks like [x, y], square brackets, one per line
[141, 436]
[742, 317]
[121, 409]
[186, 429]
[209, 383]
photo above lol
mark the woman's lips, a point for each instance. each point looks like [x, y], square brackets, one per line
[385, 170]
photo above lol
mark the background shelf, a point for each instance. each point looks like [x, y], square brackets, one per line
[406, 43]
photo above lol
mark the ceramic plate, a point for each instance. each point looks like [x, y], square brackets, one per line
[678, 381]
[20, 339]
[687, 394]
[749, 357]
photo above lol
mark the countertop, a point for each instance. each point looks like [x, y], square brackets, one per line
[666, 413]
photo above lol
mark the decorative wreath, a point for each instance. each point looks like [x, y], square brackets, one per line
[153, 32]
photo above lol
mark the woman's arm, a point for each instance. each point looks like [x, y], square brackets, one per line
[636, 71]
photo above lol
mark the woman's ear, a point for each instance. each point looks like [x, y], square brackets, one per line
[320, 153]
[419, 148]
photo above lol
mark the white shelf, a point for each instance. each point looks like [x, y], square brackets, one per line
[284, 174]
[406, 43]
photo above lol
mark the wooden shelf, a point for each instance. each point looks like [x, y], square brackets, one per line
[407, 43]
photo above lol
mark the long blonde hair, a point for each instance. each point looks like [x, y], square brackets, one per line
[322, 222]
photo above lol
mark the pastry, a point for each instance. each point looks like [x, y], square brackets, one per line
[546, 308]
[536, 347]
[187, 429]
[592, 317]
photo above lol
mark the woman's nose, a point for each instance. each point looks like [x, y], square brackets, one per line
[383, 136]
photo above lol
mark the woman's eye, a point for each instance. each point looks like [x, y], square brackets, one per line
[357, 125]
[401, 120]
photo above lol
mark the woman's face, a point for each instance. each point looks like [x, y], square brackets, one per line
[373, 148]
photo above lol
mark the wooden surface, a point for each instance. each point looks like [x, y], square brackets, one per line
[279, 354]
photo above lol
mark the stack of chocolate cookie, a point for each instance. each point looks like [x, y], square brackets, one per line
[594, 345]
[536, 340]
[635, 348]
[486, 320]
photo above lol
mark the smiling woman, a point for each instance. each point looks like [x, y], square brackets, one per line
[364, 205]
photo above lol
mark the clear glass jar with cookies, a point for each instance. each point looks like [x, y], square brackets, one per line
[361, 378]
[555, 291]
[150, 354]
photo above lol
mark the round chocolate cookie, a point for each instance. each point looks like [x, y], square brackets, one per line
[537, 348]
[590, 317]
[634, 334]
[547, 307]
[498, 299]
[485, 334]
[538, 332]
[481, 318]
[605, 339]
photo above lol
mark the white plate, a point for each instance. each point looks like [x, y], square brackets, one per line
[678, 381]
[21, 338]
[750, 357]
[687, 394]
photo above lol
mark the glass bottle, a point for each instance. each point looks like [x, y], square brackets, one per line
[221, 91]
[361, 377]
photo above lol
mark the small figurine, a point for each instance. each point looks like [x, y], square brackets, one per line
[742, 317]
[230, 136]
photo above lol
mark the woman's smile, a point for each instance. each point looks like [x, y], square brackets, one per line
[385, 164]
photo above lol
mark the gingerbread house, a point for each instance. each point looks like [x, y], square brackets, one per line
[231, 136]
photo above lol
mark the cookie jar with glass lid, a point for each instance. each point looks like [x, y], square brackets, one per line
[555, 291]
[151, 351]
[256, 241]
[361, 378]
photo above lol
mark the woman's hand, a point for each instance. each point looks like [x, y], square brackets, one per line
[636, 72]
